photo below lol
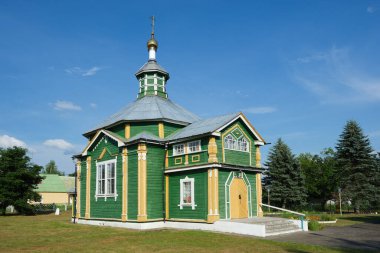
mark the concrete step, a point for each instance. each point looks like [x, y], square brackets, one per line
[283, 226]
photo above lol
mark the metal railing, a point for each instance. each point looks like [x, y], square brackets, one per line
[301, 215]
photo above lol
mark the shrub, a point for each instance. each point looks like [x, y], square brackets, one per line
[314, 218]
[327, 217]
[315, 226]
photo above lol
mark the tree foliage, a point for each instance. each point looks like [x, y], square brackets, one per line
[357, 166]
[284, 177]
[320, 176]
[52, 168]
[18, 179]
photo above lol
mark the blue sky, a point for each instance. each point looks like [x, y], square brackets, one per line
[298, 69]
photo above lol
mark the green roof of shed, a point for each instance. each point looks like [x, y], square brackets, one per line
[56, 183]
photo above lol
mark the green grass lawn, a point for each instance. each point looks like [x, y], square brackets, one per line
[352, 219]
[52, 233]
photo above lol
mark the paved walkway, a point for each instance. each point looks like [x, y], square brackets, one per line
[364, 236]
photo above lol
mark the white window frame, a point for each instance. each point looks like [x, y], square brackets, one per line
[106, 193]
[175, 151]
[235, 144]
[197, 144]
[181, 203]
[240, 146]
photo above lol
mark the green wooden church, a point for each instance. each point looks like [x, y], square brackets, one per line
[156, 161]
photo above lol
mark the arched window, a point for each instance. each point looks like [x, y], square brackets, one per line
[229, 142]
[243, 144]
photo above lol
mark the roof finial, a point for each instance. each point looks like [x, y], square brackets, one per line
[152, 27]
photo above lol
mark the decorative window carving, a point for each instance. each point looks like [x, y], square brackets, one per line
[241, 144]
[106, 179]
[187, 193]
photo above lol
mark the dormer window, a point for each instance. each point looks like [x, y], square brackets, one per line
[240, 144]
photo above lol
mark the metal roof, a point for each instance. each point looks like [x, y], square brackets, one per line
[56, 183]
[202, 127]
[150, 108]
[145, 136]
[152, 66]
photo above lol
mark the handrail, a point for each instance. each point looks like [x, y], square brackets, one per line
[282, 209]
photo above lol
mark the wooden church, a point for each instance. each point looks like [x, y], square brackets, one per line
[156, 161]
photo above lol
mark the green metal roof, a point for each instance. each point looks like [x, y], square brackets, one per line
[56, 183]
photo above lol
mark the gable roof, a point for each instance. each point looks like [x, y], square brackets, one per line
[56, 183]
[145, 136]
[150, 108]
[120, 140]
[213, 126]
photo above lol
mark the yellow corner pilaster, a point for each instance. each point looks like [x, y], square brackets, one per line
[127, 131]
[166, 197]
[212, 150]
[161, 132]
[124, 212]
[141, 152]
[186, 154]
[258, 157]
[259, 195]
[78, 190]
[88, 188]
[213, 196]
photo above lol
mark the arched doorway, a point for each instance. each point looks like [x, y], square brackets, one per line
[239, 199]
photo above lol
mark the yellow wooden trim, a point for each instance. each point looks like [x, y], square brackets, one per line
[90, 140]
[88, 181]
[141, 152]
[124, 212]
[247, 137]
[195, 158]
[186, 154]
[104, 151]
[127, 130]
[259, 195]
[178, 160]
[254, 129]
[212, 150]
[161, 132]
[212, 189]
[258, 157]
[167, 197]
[166, 159]
[78, 189]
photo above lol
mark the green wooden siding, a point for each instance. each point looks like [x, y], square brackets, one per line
[196, 158]
[151, 127]
[83, 177]
[132, 183]
[200, 196]
[170, 128]
[155, 180]
[252, 180]
[118, 129]
[233, 156]
[109, 207]
[222, 178]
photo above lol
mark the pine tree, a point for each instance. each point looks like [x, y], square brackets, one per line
[52, 168]
[357, 166]
[283, 177]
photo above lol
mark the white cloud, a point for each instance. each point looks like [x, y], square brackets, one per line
[335, 78]
[93, 105]
[8, 142]
[59, 144]
[83, 72]
[371, 9]
[61, 105]
[260, 109]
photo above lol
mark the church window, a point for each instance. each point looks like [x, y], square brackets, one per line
[106, 178]
[179, 149]
[187, 193]
[194, 146]
[229, 142]
[243, 144]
